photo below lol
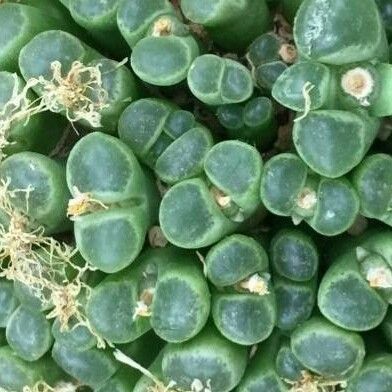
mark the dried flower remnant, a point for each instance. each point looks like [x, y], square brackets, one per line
[256, 284]
[41, 263]
[379, 277]
[288, 53]
[307, 199]
[221, 199]
[79, 94]
[162, 27]
[18, 108]
[142, 308]
[83, 203]
[313, 383]
[227, 205]
[158, 385]
[358, 83]
[44, 387]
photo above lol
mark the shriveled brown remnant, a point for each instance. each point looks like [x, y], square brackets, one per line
[156, 238]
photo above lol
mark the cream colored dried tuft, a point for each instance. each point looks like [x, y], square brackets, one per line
[223, 201]
[358, 83]
[18, 108]
[313, 383]
[307, 199]
[38, 261]
[256, 284]
[162, 27]
[142, 308]
[79, 93]
[83, 203]
[379, 277]
[288, 53]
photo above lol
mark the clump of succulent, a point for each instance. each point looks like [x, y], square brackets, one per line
[195, 196]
